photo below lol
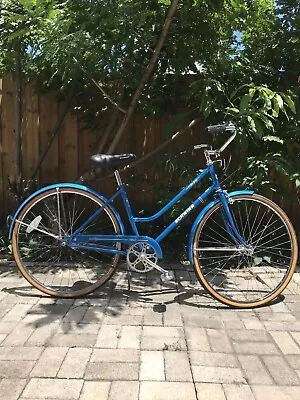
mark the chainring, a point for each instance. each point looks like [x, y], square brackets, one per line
[137, 256]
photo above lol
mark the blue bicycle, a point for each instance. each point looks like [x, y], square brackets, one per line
[67, 239]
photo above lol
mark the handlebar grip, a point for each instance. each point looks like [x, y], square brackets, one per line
[220, 128]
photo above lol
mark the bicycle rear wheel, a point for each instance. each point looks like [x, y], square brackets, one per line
[238, 277]
[45, 260]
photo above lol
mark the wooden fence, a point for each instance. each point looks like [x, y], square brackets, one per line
[70, 151]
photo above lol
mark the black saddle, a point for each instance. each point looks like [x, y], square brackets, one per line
[112, 161]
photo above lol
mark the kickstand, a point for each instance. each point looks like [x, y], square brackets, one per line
[128, 279]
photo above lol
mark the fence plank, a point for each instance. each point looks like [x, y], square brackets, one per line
[30, 138]
[48, 117]
[68, 149]
[8, 142]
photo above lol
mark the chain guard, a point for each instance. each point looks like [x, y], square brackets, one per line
[137, 256]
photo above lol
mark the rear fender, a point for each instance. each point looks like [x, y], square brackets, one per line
[62, 185]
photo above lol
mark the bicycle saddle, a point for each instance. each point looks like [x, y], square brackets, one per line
[112, 161]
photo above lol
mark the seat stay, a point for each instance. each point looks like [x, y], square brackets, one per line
[96, 213]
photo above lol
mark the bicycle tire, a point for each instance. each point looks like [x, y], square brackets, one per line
[60, 270]
[226, 274]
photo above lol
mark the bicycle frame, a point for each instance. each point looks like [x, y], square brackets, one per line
[89, 241]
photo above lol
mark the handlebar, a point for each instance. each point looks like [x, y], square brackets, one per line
[217, 129]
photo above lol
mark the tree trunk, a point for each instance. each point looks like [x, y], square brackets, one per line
[145, 77]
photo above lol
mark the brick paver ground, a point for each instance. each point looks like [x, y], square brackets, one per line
[152, 343]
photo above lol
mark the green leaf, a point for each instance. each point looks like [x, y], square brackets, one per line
[271, 138]
[289, 102]
[246, 99]
[29, 4]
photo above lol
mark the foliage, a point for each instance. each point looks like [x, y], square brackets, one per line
[5, 245]
[268, 138]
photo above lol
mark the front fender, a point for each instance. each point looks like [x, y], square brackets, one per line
[62, 185]
[201, 215]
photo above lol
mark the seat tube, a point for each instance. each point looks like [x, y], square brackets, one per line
[128, 209]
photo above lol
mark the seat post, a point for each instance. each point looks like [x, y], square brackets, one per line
[118, 177]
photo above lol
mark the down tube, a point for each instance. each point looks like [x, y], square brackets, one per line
[185, 213]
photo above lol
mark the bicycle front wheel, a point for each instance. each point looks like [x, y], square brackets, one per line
[39, 242]
[242, 277]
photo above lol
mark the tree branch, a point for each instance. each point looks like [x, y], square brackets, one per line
[146, 75]
[100, 87]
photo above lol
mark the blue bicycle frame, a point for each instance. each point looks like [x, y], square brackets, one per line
[90, 241]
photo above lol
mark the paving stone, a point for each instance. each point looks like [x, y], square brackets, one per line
[94, 315]
[130, 337]
[287, 316]
[249, 335]
[253, 323]
[20, 353]
[255, 348]
[217, 374]
[211, 359]
[75, 363]
[162, 331]
[163, 343]
[296, 336]
[207, 391]
[167, 391]
[72, 340]
[17, 312]
[289, 326]
[281, 372]
[172, 316]
[197, 339]
[41, 388]
[49, 362]
[10, 389]
[15, 369]
[177, 366]
[163, 338]
[196, 321]
[115, 355]
[108, 336]
[75, 314]
[122, 319]
[276, 392]
[42, 334]
[219, 341]
[7, 327]
[279, 307]
[18, 336]
[238, 392]
[254, 370]
[294, 361]
[51, 308]
[285, 342]
[152, 366]
[124, 390]
[95, 390]
[152, 318]
[109, 371]
[79, 329]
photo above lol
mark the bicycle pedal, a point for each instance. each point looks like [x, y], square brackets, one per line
[167, 276]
